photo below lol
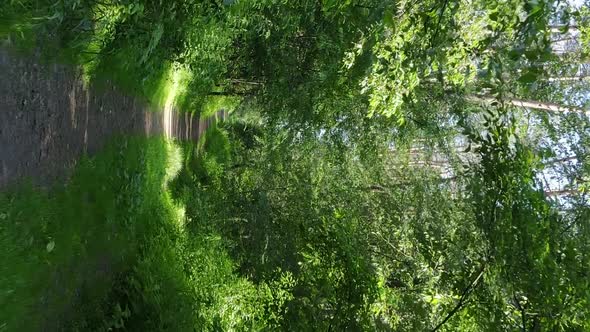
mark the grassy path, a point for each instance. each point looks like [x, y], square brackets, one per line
[49, 118]
[109, 247]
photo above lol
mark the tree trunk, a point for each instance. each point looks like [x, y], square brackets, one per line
[531, 104]
[568, 79]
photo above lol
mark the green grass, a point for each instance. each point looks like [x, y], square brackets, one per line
[64, 249]
[112, 249]
[212, 104]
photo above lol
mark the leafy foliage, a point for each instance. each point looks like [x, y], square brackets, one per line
[384, 167]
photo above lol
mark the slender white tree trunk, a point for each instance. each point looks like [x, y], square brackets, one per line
[531, 104]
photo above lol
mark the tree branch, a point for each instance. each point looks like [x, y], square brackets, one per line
[463, 299]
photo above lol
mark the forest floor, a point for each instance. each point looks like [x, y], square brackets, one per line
[49, 118]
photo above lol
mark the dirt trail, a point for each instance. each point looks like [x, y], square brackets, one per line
[48, 119]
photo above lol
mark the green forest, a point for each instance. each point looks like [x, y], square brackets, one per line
[385, 165]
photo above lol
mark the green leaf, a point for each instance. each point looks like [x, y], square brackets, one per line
[388, 18]
[536, 11]
[494, 16]
[528, 77]
[50, 246]
[515, 54]
[401, 121]
[531, 55]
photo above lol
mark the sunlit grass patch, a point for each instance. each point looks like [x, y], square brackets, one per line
[213, 104]
[178, 78]
[174, 161]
